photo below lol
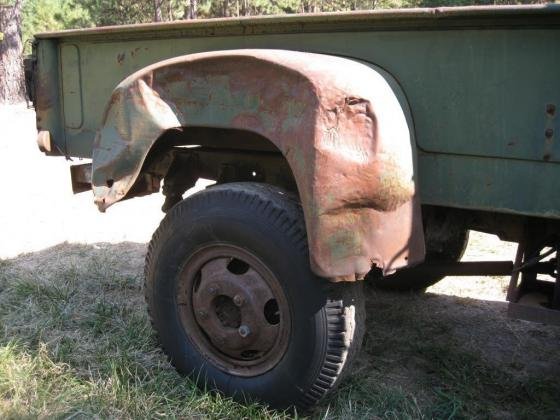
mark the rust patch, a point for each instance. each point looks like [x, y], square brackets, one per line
[225, 310]
[44, 99]
[338, 123]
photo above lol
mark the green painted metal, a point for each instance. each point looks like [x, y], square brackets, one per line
[71, 86]
[480, 84]
[48, 105]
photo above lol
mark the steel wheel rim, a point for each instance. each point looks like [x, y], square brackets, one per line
[233, 309]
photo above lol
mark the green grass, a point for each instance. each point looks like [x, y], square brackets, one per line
[75, 342]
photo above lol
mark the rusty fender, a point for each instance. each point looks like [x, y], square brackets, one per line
[337, 122]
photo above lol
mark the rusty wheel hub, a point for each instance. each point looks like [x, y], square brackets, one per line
[234, 309]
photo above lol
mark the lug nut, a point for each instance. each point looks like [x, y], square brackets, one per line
[244, 331]
[238, 300]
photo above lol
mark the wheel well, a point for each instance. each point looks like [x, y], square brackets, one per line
[181, 156]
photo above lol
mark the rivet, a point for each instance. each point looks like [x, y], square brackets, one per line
[238, 300]
[548, 133]
[244, 331]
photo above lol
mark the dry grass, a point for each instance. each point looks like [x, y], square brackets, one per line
[75, 340]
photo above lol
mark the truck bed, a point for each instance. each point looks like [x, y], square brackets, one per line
[481, 84]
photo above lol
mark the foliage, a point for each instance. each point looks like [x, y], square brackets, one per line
[117, 12]
[51, 15]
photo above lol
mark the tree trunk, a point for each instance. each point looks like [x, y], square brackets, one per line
[191, 10]
[225, 10]
[157, 10]
[12, 87]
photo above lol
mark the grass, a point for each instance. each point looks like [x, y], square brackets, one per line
[75, 342]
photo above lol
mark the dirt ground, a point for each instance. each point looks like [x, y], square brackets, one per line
[39, 208]
[449, 353]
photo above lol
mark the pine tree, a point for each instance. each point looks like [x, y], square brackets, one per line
[12, 88]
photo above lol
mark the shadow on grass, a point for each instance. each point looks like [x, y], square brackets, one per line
[75, 341]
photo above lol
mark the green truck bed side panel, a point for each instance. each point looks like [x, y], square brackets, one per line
[500, 185]
[71, 86]
[481, 93]
[483, 99]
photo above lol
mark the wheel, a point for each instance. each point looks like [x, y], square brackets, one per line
[444, 244]
[236, 306]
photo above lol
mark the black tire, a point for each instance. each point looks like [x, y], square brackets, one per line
[326, 320]
[413, 279]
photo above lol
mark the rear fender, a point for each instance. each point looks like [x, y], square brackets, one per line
[338, 123]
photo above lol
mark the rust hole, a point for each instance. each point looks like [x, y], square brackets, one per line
[354, 101]
[237, 266]
[250, 354]
[271, 312]
[227, 312]
[110, 183]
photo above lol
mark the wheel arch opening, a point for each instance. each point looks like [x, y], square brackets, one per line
[181, 156]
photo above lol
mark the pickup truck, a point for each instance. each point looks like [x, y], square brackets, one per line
[343, 146]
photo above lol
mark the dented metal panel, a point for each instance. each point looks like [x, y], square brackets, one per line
[337, 122]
